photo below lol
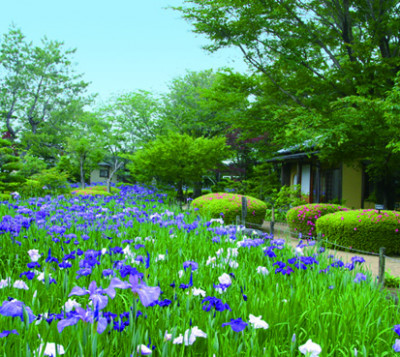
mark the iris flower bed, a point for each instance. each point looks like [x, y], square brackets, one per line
[127, 275]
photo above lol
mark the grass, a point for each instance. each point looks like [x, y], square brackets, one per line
[330, 308]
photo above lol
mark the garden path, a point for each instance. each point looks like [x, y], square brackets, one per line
[371, 262]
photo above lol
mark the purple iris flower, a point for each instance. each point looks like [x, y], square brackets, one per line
[269, 251]
[187, 286]
[15, 308]
[216, 239]
[308, 260]
[337, 264]
[349, 266]
[128, 270]
[357, 259]
[69, 256]
[108, 272]
[83, 272]
[282, 268]
[86, 316]
[396, 329]
[29, 275]
[216, 303]
[51, 259]
[96, 294]
[236, 325]
[33, 265]
[148, 260]
[359, 277]
[65, 265]
[147, 294]
[6, 333]
[325, 270]
[396, 346]
[191, 264]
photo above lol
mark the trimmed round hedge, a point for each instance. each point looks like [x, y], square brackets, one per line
[301, 219]
[95, 190]
[363, 229]
[229, 205]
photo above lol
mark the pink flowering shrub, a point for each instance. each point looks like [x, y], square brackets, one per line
[365, 229]
[301, 219]
[229, 205]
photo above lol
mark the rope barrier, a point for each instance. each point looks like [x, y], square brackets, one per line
[338, 245]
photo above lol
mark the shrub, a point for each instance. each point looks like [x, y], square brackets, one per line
[229, 205]
[50, 181]
[95, 190]
[391, 281]
[363, 229]
[301, 219]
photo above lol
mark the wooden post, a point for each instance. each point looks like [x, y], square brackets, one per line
[381, 266]
[244, 210]
[272, 223]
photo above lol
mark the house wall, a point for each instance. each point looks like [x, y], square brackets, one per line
[95, 177]
[351, 186]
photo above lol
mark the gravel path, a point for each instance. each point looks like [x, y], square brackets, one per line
[371, 262]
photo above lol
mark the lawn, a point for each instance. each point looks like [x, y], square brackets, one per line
[129, 275]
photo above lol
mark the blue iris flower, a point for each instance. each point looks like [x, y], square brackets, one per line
[15, 308]
[236, 325]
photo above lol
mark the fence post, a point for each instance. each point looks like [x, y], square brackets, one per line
[382, 265]
[244, 210]
[237, 220]
[272, 223]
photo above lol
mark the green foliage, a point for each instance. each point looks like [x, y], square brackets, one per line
[302, 219]
[322, 69]
[287, 197]
[10, 166]
[134, 118]
[362, 229]
[67, 165]
[177, 158]
[50, 181]
[32, 165]
[187, 109]
[391, 281]
[38, 86]
[228, 206]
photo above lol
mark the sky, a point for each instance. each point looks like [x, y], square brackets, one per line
[122, 45]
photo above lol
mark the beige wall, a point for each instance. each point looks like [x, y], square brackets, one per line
[351, 186]
[95, 177]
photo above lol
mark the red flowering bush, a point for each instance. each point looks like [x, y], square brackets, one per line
[301, 219]
[229, 205]
[363, 229]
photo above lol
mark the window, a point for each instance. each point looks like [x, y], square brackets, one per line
[104, 173]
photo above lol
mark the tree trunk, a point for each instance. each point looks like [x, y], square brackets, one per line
[179, 194]
[197, 189]
[82, 160]
[117, 166]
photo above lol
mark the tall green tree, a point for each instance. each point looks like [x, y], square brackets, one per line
[10, 166]
[325, 69]
[86, 146]
[188, 110]
[178, 158]
[133, 117]
[37, 85]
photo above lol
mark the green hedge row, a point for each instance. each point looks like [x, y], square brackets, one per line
[362, 229]
[229, 205]
[301, 219]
